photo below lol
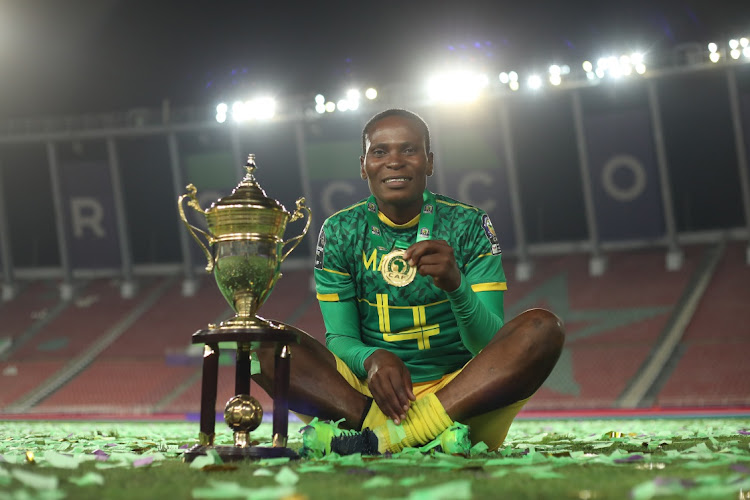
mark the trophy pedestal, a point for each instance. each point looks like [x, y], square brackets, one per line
[277, 334]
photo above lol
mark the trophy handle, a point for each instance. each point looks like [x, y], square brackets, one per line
[298, 214]
[193, 203]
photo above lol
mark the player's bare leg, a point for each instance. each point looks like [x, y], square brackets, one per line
[512, 367]
[315, 386]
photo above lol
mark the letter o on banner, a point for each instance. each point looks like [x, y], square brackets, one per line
[624, 193]
[327, 195]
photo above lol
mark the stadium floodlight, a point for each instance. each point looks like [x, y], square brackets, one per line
[513, 76]
[555, 70]
[565, 69]
[735, 53]
[746, 52]
[636, 58]
[588, 67]
[342, 105]
[626, 70]
[590, 75]
[352, 95]
[714, 57]
[600, 72]
[261, 108]
[222, 108]
[744, 42]
[534, 82]
[320, 108]
[456, 86]
[712, 47]
[238, 111]
[640, 68]
[624, 60]
[555, 79]
[602, 62]
[504, 78]
[513, 85]
[330, 107]
[354, 105]
[320, 99]
[733, 44]
[371, 93]
[221, 117]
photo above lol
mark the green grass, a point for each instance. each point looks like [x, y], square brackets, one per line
[579, 459]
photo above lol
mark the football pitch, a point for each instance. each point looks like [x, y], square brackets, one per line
[561, 459]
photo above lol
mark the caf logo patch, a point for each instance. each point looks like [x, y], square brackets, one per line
[428, 209]
[424, 232]
[371, 206]
[489, 231]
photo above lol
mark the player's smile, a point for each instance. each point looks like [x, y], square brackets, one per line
[396, 166]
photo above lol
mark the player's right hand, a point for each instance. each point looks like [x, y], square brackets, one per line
[390, 384]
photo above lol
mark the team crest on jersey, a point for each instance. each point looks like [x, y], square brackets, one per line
[424, 232]
[371, 207]
[376, 230]
[428, 209]
[489, 231]
[320, 249]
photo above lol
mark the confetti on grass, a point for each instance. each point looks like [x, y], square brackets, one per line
[707, 458]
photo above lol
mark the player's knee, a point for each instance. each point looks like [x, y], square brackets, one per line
[548, 328]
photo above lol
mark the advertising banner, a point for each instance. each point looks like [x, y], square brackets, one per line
[469, 159]
[624, 175]
[90, 221]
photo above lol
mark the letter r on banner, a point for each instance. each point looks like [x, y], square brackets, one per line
[87, 213]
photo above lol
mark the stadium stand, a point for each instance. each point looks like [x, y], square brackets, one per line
[710, 368]
[134, 356]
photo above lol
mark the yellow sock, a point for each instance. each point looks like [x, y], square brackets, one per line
[374, 418]
[424, 421]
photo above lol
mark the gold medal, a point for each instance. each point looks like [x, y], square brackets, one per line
[396, 271]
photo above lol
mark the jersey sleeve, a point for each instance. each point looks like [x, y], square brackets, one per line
[478, 301]
[336, 295]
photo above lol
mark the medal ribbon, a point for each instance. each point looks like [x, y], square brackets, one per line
[424, 231]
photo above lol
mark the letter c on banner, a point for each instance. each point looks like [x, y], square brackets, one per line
[329, 191]
[482, 178]
[639, 178]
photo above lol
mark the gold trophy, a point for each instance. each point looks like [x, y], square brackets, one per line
[245, 248]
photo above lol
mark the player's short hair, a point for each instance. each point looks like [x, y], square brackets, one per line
[409, 115]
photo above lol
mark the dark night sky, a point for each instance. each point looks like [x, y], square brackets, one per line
[76, 56]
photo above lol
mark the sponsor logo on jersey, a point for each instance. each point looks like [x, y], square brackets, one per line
[489, 231]
[371, 207]
[320, 249]
[424, 232]
[428, 209]
[376, 230]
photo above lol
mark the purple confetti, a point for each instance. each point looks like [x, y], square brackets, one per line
[101, 455]
[109, 445]
[143, 461]
[184, 446]
[631, 458]
[742, 469]
[744, 432]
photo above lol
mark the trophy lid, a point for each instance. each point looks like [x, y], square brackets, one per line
[249, 193]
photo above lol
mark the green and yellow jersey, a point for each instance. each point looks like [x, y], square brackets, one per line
[432, 331]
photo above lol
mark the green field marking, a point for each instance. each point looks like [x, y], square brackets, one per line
[612, 458]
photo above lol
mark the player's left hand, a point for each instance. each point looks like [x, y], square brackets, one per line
[435, 258]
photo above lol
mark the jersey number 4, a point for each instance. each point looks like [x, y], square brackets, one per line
[421, 332]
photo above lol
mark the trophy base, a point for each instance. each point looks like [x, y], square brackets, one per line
[243, 322]
[235, 453]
